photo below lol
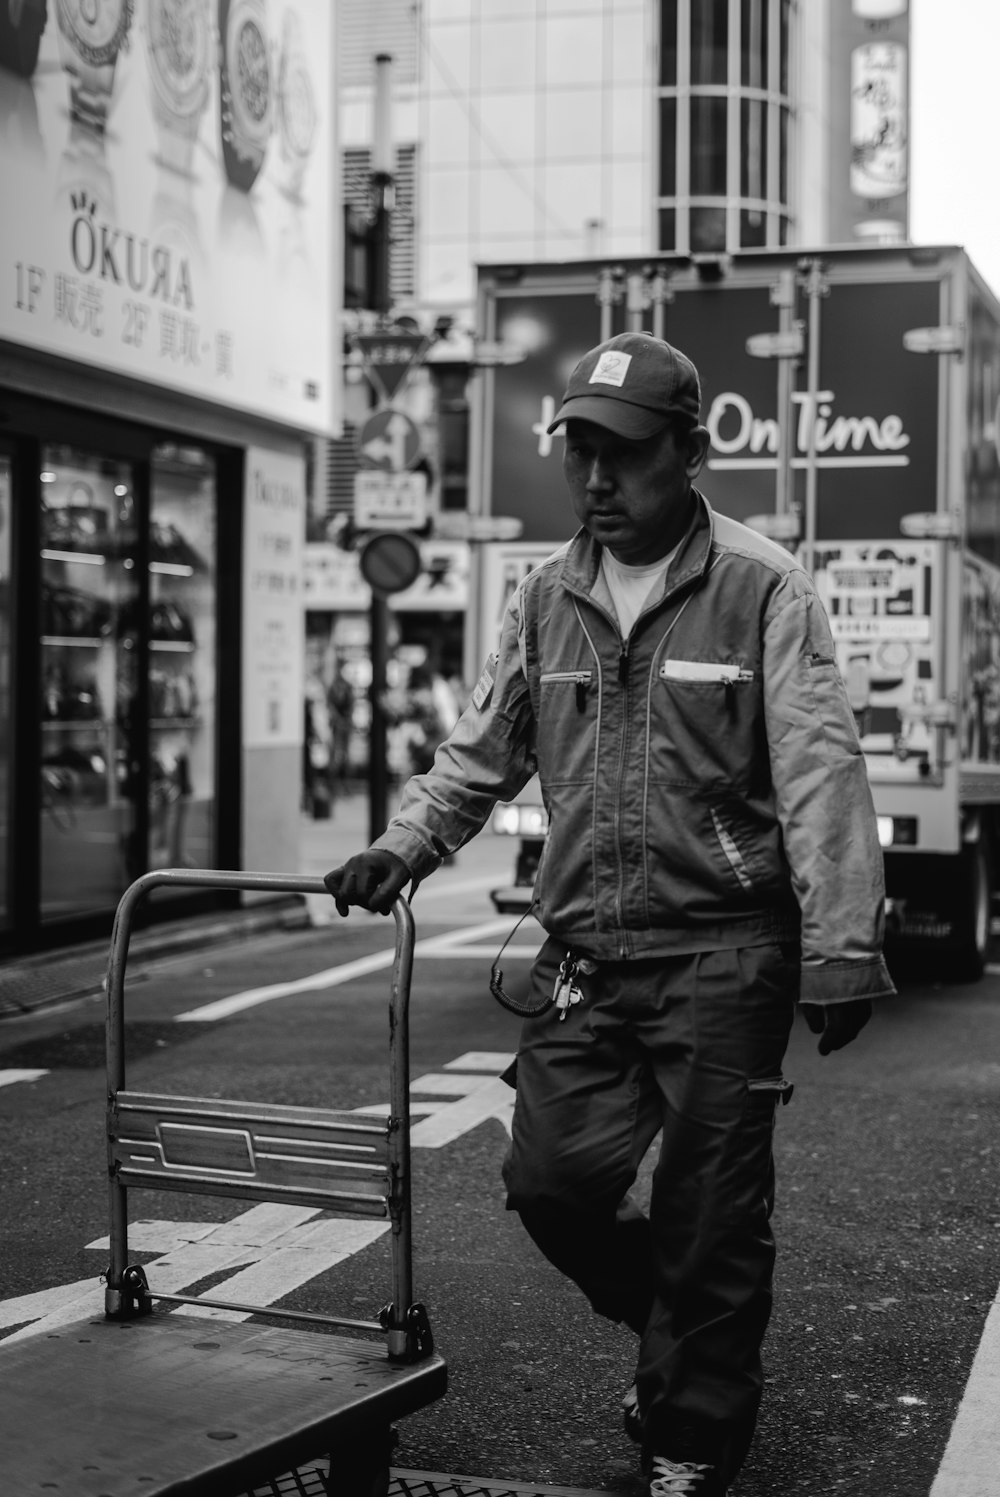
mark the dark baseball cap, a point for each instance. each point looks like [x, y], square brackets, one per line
[632, 384]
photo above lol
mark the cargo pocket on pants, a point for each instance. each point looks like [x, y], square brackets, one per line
[756, 1189]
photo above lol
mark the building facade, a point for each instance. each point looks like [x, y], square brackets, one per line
[529, 130]
[561, 129]
[171, 294]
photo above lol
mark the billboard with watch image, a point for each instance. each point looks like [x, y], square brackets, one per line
[174, 167]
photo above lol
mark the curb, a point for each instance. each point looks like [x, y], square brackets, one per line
[35, 982]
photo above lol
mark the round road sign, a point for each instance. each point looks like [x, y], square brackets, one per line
[389, 440]
[390, 561]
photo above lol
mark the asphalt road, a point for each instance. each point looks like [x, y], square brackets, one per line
[887, 1216]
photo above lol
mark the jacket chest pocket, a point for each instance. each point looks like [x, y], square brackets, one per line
[567, 725]
[578, 682]
[708, 723]
[704, 673]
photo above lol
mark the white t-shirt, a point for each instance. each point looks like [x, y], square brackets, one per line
[632, 587]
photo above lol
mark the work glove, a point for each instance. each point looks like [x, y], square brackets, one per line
[837, 1024]
[372, 879]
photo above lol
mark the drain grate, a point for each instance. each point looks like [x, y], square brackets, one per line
[35, 985]
[305, 1483]
[312, 1483]
[434, 1484]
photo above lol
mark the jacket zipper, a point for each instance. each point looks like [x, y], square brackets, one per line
[581, 680]
[622, 760]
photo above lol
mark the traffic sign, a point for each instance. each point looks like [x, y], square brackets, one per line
[390, 357]
[788, 344]
[384, 500]
[457, 525]
[389, 440]
[390, 561]
[487, 355]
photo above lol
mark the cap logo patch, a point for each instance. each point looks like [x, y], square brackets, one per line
[611, 369]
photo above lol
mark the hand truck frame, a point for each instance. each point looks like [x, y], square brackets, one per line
[157, 1402]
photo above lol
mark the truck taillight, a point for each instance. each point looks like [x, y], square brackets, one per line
[897, 831]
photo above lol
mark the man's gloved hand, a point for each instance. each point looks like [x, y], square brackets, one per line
[372, 879]
[837, 1024]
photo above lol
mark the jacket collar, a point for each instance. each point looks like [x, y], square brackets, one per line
[582, 563]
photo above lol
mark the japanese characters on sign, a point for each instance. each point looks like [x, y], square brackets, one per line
[273, 532]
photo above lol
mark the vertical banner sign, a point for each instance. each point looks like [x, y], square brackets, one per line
[274, 507]
[870, 121]
[878, 120]
[169, 174]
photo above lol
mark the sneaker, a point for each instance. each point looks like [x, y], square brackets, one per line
[682, 1479]
[631, 1418]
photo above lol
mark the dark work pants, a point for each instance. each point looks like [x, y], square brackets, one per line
[690, 1047]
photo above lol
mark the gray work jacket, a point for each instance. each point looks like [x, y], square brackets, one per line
[703, 778]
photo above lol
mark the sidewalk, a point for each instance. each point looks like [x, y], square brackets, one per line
[39, 980]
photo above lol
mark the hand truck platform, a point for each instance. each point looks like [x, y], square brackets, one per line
[158, 1402]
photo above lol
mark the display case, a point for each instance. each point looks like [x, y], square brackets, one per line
[127, 690]
[89, 600]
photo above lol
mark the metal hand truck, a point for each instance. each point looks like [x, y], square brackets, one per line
[147, 1400]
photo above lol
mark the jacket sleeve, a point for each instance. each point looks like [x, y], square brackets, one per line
[824, 802]
[488, 757]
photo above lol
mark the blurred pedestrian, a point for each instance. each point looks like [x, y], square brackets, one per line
[317, 747]
[340, 710]
[712, 857]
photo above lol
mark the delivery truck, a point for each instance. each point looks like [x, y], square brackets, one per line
[852, 397]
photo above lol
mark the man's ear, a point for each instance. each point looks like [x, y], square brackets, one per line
[698, 443]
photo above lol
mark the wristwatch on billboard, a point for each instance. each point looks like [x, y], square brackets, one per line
[84, 172]
[245, 86]
[21, 25]
[295, 107]
[91, 35]
[178, 46]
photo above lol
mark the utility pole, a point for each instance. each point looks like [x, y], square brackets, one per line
[383, 194]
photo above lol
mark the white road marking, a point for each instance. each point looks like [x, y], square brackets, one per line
[332, 977]
[7, 1078]
[480, 1060]
[309, 1251]
[273, 1248]
[477, 1100]
[969, 1467]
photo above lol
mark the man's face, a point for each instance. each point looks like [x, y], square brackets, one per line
[633, 497]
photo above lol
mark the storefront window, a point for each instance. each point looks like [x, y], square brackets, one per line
[708, 147]
[668, 229]
[668, 147]
[754, 43]
[89, 594]
[182, 656]
[668, 42]
[753, 152]
[710, 41]
[5, 692]
[708, 230]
